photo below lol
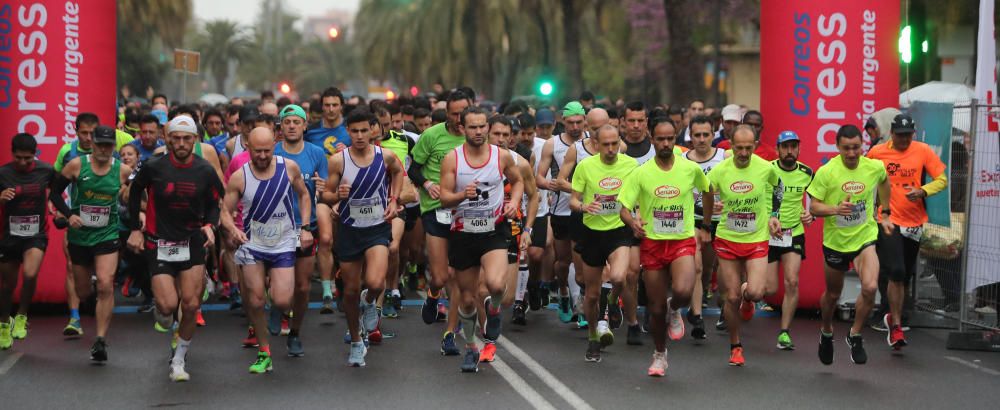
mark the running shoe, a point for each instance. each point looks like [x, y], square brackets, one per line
[285, 329]
[227, 290]
[857, 344]
[251, 339]
[448, 347]
[519, 314]
[604, 334]
[785, 341]
[274, 320]
[128, 288]
[720, 324]
[347, 338]
[369, 313]
[73, 329]
[746, 310]
[493, 320]
[764, 307]
[429, 311]
[826, 348]
[389, 311]
[162, 323]
[534, 296]
[676, 326]
[442, 312]
[659, 366]
[99, 351]
[177, 372]
[634, 337]
[374, 337]
[262, 364]
[199, 319]
[294, 345]
[565, 310]
[397, 302]
[736, 356]
[6, 341]
[488, 353]
[614, 314]
[697, 325]
[593, 351]
[895, 337]
[581, 322]
[207, 292]
[146, 306]
[358, 353]
[237, 301]
[471, 362]
[327, 308]
[20, 328]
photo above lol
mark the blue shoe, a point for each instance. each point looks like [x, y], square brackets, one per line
[448, 347]
[581, 322]
[565, 311]
[73, 329]
[388, 310]
[236, 302]
[471, 362]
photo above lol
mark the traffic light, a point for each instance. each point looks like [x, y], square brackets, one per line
[390, 95]
[285, 88]
[414, 91]
[906, 44]
[546, 88]
[333, 33]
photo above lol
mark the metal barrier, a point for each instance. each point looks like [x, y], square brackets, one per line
[958, 275]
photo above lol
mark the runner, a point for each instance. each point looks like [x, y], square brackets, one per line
[790, 248]
[906, 162]
[23, 196]
[565, 224]
[707, 157]
[843, 192]
[182, 207]
[472, 179]
[400, 143]
[745, 183]
[605, 238]
[366, 177]
[97, 180]
[539, 272]
[425, 172]
[663, 191]
[264, 187]
[312, 164]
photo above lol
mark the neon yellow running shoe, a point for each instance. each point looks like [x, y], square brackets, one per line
[6, 341]
[262, 365]
[20, 330]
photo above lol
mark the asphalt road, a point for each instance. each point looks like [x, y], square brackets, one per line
[540, 366]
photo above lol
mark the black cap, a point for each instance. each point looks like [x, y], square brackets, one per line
[902, 124]
[104, 135]
[249, 113]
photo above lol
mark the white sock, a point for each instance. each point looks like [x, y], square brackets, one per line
[182, 348]
[395, 292]
[522, 280]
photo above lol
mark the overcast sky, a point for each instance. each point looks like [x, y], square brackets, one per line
[245, 11]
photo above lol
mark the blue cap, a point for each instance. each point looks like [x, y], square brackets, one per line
[787, 136]
[545, 117]
[160, 115]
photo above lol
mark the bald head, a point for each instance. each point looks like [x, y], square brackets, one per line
[268, 108]
[597, 118]
[261, 137]
[744, 133]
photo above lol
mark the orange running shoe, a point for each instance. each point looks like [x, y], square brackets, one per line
[488, 353]
[736, 356]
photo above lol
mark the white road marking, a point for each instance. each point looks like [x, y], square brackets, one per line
[9, 362]
[967, 363]
[521, 386]
[574, 400]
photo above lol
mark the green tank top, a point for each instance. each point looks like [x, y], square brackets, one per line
[397, 143]
[197, 149]
[95, 201]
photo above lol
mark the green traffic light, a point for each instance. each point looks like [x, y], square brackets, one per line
[905, 47]
[545, 88]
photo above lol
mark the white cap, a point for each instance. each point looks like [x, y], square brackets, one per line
[182, 123]
[732, 112]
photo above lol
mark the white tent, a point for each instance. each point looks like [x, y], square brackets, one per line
[937, 91]
[213, 99]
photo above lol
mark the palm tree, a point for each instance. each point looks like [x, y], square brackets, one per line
[145, 29]
[220, 42]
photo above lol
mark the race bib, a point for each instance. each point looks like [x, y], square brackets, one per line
[913, 233]
[95, 216]
[744, 222]
[24, 225]
[478, 221]
[443, 216]
[270, 233]
[785, 241]
[172, 251]
[859, 214]
[609, 204]
[366, 210]
[668, 222]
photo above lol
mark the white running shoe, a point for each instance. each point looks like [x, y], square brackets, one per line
[676, 328]
[177, 372]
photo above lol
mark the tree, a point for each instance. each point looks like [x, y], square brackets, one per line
[220, 42]
[145, 29]
[685, 83]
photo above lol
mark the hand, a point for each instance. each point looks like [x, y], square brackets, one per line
[525, 241]
[75, 222]
[434, 190]
[915, 193]
[510, 209]
[592, 208]
[344, 190]
[846, 207]
[335, 210]
[305, 239]
[209, 236]
[806, 217]
[471, 190]
[637, 227]
[887, 226]
[135, 241]
[7, 194]
[320, 183]
[340, 146]
[390, 210]
[544, 184]
[704, 236]
[237, 237]
[775, 226]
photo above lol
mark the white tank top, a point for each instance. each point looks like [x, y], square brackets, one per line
[581, 150]
[365, 205]
[647, 156]
[479, 215]
[706, 166]
[543, 195]
[267, 211]
[238, 146]
[560, 206]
